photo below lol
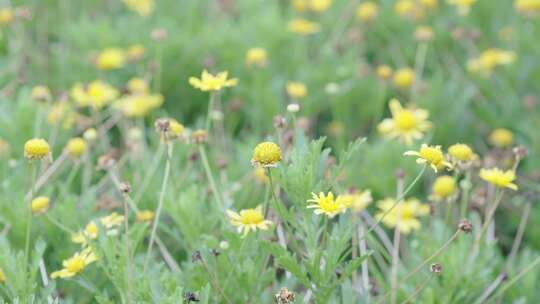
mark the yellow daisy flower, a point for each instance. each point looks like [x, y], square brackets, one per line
[76, 264]
[461, 152]
[256, 57]
[357, 201]
[463, 6]
[527, 7]
[499, 178]
[303, 27]
[296, 90]
[145, 216]
[443, 187]
[407, 124]
[403, 216]
[40, 204]
[404, 78]
[489, 60]
[326, 204]
[266, 154]
[209, 82]
[430, 155]
[501, 138]
[36, 148]
[76, 147]
[367, 11]
[111, 59]
[96, 94]
[40, 93]
[248, 219]
[141, 7]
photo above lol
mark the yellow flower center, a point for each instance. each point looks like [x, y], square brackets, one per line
[251, 217]
[75, 264]
[432, 155]
[266, 153]
[405, 120]
[328, 204]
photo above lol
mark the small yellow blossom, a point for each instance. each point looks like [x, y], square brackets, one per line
[407, 124]
[443, 187]
[256, 57]
[36, 148]
[137, 86]
[62, 112]
[248, 219]
[430, 155]
[76, 147]
[40, 93]
[209, 82]
[76, 264]
[6, 15]
[2, 277]
[97, 94]
[176, 129]
[139, 104]
[489, 60]
[4, 148]
[142, 7]
[303, 27]
[90, 232]
[430, 4]
[367, 11]
[403, 215]
[40, 204]
[296, 90]
[404, 78]
[145, 216]
[499, 178]
[320, 6]
[135, 52]
[423, 33]
[266, 154]
[408, 9]
[461, 152]
[384, 72]
[326, 204]
[463, 6]
[300, 5]
[111, 59]
[501, 138]
[112, 220]
[90, 134]
[357, 201]
[527, 7]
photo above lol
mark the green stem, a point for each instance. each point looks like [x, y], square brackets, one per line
[466, 186]
[59, 225]
[29, 214]
[213, 97]
[210, 177]
[517, 277]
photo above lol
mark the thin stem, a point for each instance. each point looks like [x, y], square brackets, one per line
[211, 101]
[490, 214]
[58, 224]
[517, 277]
[29, 214]
[396, 244]
[47, 174]
[519, 235]
[418, 290]
[214, 281]
[491, 288]
[160, 203]
[150, 174]
[466, 186]
[127, 251]
[210, 177]
[365, 269]
[267, 195]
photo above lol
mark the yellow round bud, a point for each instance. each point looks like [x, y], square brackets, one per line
[36, 148]
[461, 152]
[256, 57]
[145, 216]
[501, 138]
[266, 154]
[444, 186]
[404, 78]
[76, 147]
[384, 72]
[296, 90]
[367, 11]
[40, 204]
[90, 134]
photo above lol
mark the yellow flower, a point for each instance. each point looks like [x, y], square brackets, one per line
[443, 187]
[135, 52]
[40, 93]
[248, 219]
[36, 148]
[367, 11]
[145, 216]
[407, 124]
[139, 104]
[266, 154]
[90, 134]
[209, 82]
[431, 4]
[112, 220]
[4, 148]
[6, 15]
[256, 57]
[357, 201]
[501, 138]
[176, 129]
[320, 5]
[97, 94]
[423, 33]
[404, 78]
[463, 6]
[489, 60]
[430, 155]
[137, 85]
[408, 9]
[461, 152]
[300, 5]
[2, 277]
[326, 204]
[527, 7]
[90, 232]
[402, 216]
[499, 178]
[76, 264]
[111, 59]
[303, 27]
[296, 90]
[40, 204]
[76, 147]
[384, 72]
[141, 7]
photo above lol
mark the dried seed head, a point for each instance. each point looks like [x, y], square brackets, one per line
[162, 125]
[199, 136]
[194, 156]
[285, 296]
[215, 252]
[436, 268]
[191, 297]
[465, 226]
[125, 187]
[196, 256]
[520, 152]
[279, 121]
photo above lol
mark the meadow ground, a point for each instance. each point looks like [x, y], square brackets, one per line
[284, 151]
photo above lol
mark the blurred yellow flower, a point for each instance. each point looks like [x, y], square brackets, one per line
[145, 216]
[408, 9]
[423, 33]
[320, 5]
[139, 104]
[489, 60]
[96, 95]
[443, 187]
[430, 155]
[461, 152]
[403, 215]
[501, 138]
[76, 264]
[430, 4]
[499, 178]
[90, 134]
[303, 27]
[40, 93]
[36, 148]
[527, 7]
[404, 78]
[141, 7]
[248, 219]
[137, 85]
[296, 90]
[2, 276]
[209, 82]
[367, 11]
[76, 147]
[266, 154]
[112, 220]
[6, 15]
[176, 129]
[61, 112]
[256, 57]
[384, 72]
[90, 232]
[300, 5]
[463, 6]
[407, 124]
[111, 59]
[357, 201]
[40, 204]
[135, 52]
[326, 204]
